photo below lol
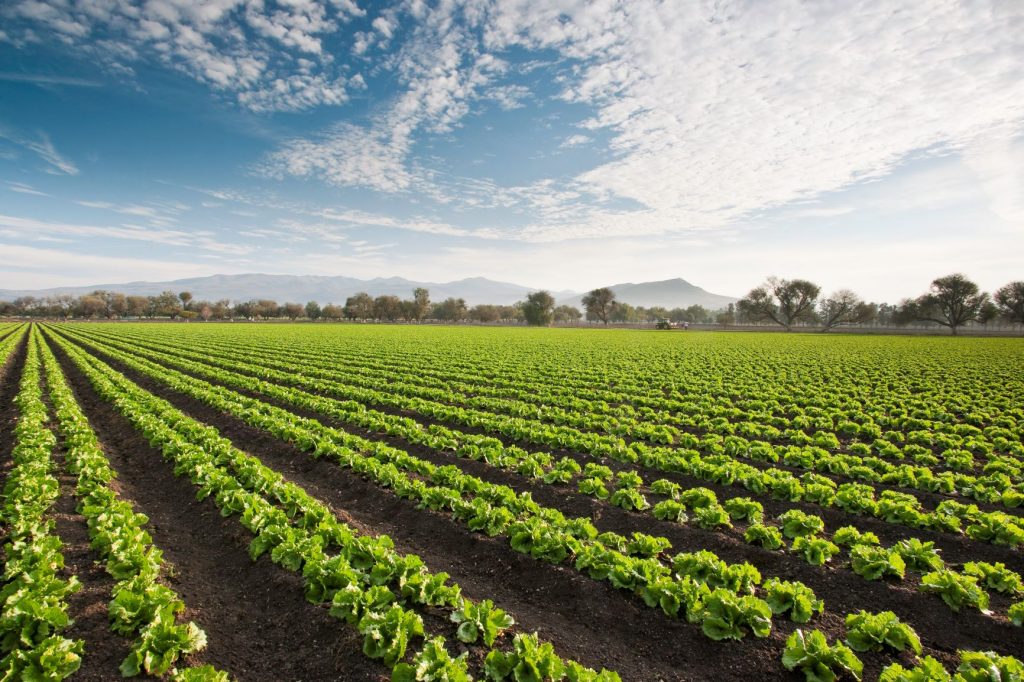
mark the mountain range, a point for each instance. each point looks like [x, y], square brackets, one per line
[335, 289]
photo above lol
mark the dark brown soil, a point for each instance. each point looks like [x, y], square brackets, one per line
[258, 624]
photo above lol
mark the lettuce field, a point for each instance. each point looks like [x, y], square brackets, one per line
[369, 502]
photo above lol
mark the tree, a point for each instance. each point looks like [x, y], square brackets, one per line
[727, 317]
[783, 301]
[421, 301]
[293, 311]
[313, 310]
[332, 312]
[387, 308]
[952, 301]
[485, 313]
[567, 313]
[1010, 299]
[450, 310]
[186, 298]
[167, 304]
[359, 307]
[137, 305]
[844, 307]
[538, 308]
[598, 303]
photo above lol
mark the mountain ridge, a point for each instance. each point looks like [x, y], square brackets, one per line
[326, 289]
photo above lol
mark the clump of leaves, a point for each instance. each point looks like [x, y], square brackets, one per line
[928, 670]
[433, 662]
[811, 653]
[955, 589]
[727, 614]
[528, 660]
[983, 666]
[919, 556]
[480, 621]
[873, 631]
[874, 563]
[768, 537]
[795, 597]
[849, 536]
[995, 576]
[816, 551]
[744, 509]
[796, 523]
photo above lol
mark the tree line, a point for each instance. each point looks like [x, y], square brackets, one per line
[951, 301]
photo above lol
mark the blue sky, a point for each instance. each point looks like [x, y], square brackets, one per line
[567, 145]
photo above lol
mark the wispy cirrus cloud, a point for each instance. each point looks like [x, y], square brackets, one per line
[41, 146]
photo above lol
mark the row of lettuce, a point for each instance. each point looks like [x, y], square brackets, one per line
[894, 431]
[718, 464]
[34, 611]
[805, 531]
[697, 586]
[360, 579]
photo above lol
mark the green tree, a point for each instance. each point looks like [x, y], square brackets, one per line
[186, 298]
[387, 308]
[783, 301]
[313, 310]
[538, 308]
[421, 299]
[598, 303]
[359, 307]
[952, 301]
[1010, 300]
[451, 310]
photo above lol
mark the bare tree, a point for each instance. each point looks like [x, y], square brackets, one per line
[783, 301]
[1010, 299]
[598, 303]
[952, 301]
[843, 307]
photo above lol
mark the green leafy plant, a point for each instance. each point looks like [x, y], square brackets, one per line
[811, 653]
[159, 645]
[481, 620]
[768, 537]
[928, 670]
[726, 615]
[874, 563]
[386, 634]
[848, 536]
[816, 551]
[433, 663]
[744, 509]
[874, 631]
[529, 661]
[793, 597]
[995, 576]
[919, 556]
[988, 666]
[796, 523]
[955, 589]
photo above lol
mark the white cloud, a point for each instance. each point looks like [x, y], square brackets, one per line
[270, 56]
[28, 267]
[22, 188]
[41, 146]
[714, 112]
[575, 141]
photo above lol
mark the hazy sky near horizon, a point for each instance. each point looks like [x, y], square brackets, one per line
[562, 144]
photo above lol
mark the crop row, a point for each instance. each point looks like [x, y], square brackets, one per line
[866, 558]
[367, 583]
[857, 498]
[298, 431]
[1000, 480]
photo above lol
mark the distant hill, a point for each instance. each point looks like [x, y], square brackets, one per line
[669, 293]
[302, 288]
